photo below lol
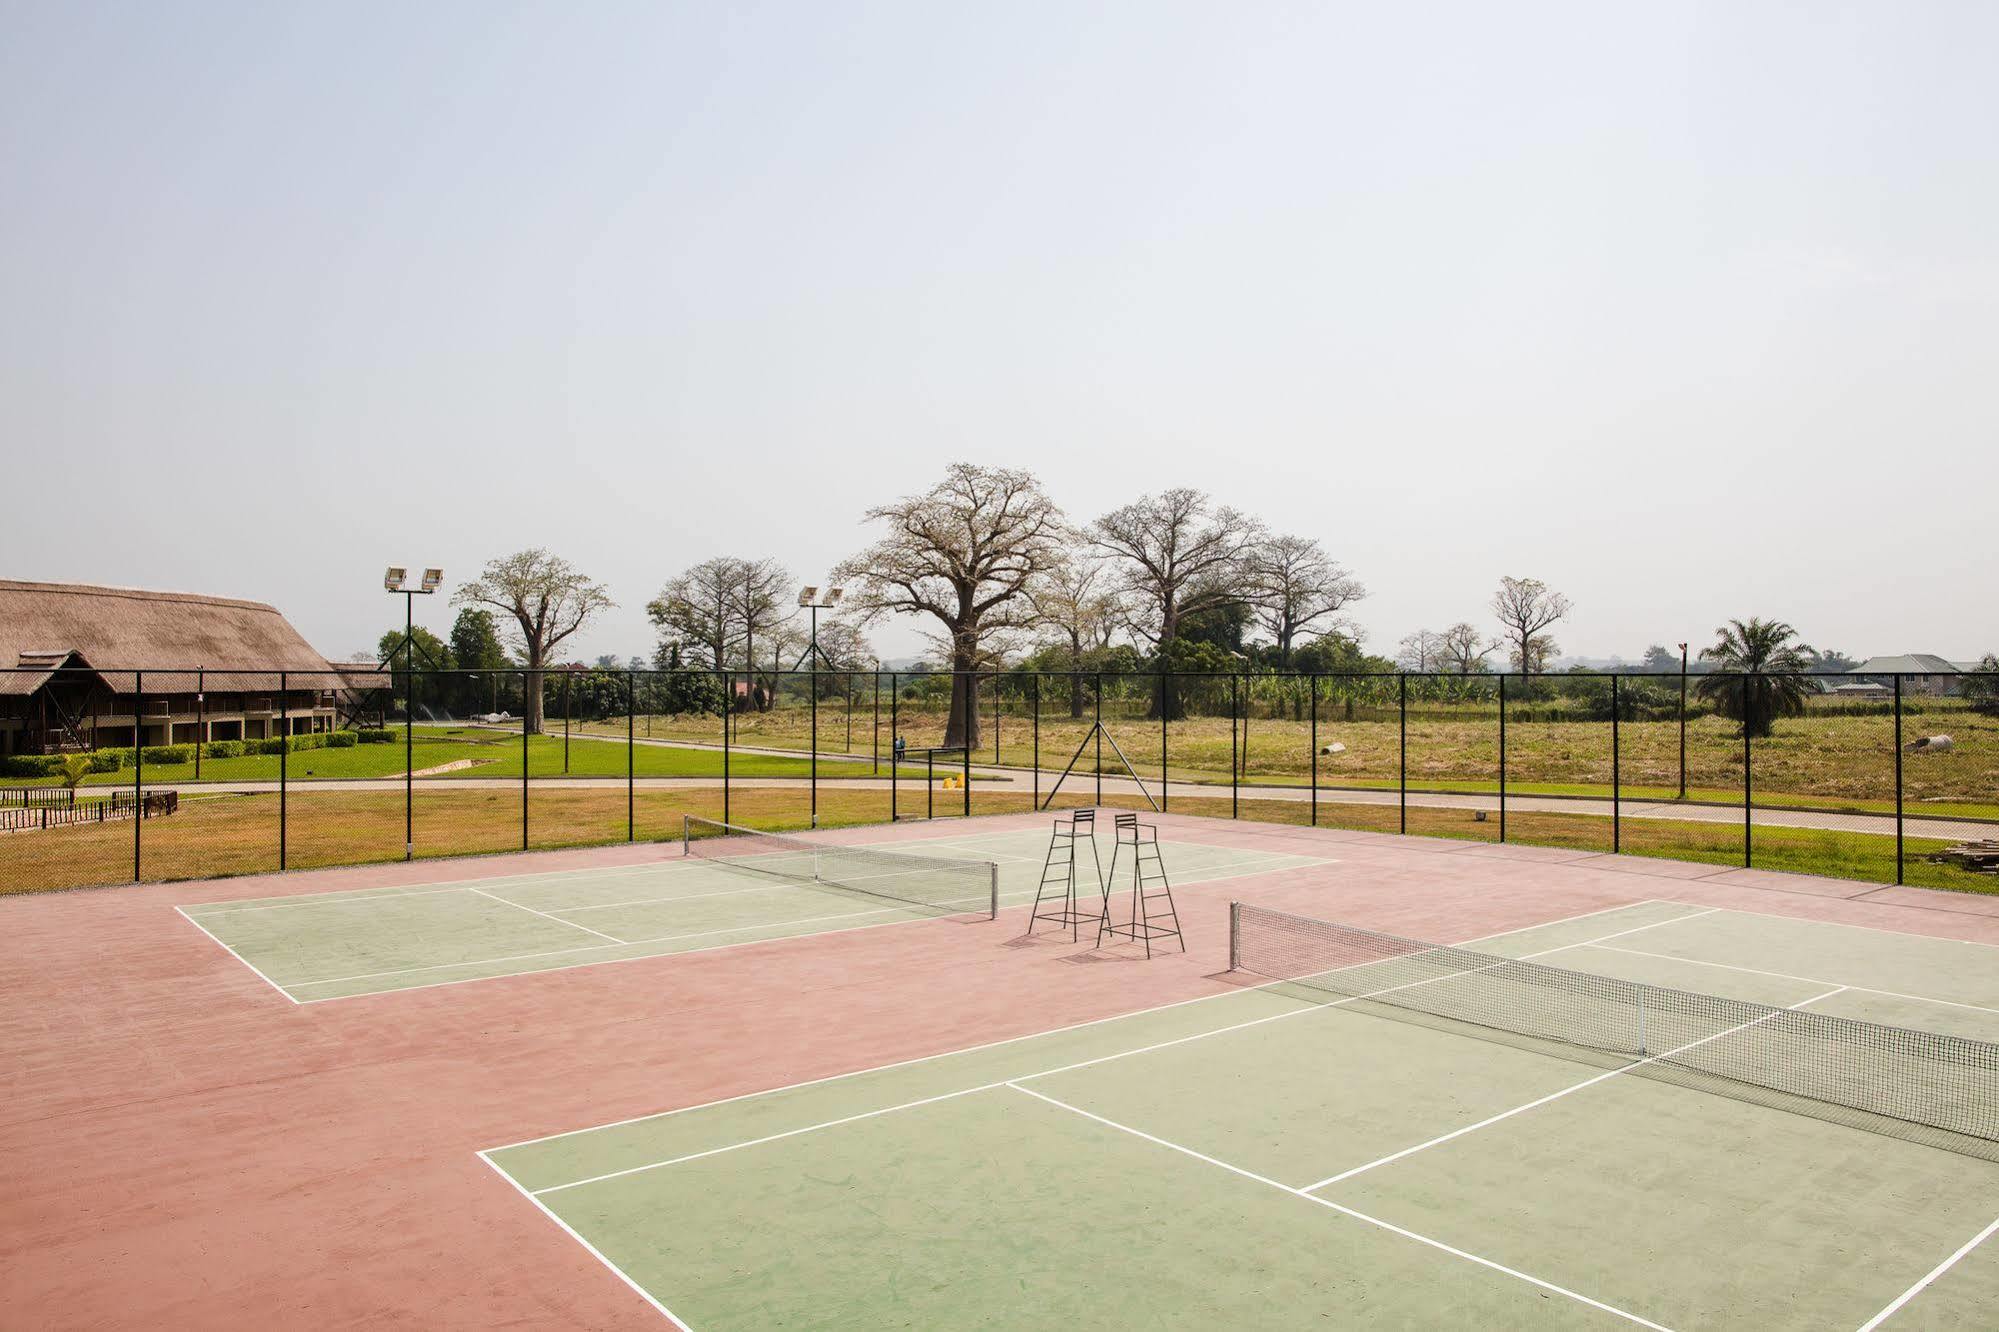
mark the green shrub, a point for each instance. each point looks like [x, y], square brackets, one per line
[270, 746]
[106, 760]
[222, 749]
[341, 739]
[377, 736]
[169, 753]
[30, 765]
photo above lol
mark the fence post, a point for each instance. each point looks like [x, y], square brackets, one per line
[1100, 737]
[812, 771]
[1034, 687]
[1315, 748]
[138, 765]
[1898, 778]
[1235, 762]
[728, 706]
[1402, 753]
[1164, 722]
[1616, 777]
[1748, 800]
[875, 744]
[1502, 751]
[284, 758]
[524, 756]
[631, 754]
[894, 756]
[966, 779]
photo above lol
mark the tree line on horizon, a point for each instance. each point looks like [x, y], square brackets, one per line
[1170, 583]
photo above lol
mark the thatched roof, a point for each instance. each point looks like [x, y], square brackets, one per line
[237, 645]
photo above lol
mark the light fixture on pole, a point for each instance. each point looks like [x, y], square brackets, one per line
[396, 581]
[809, 598]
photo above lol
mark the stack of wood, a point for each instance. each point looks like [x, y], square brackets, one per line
[1980, 857]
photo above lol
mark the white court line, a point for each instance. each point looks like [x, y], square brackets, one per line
[594, 948]
[1810, 980]
[494, 897]
[336, 897]
[238, 956]
[1011, 897]
[588, 1247]
[1849, 925]
[1343, 1210]
[1009, 1040]
[1046, 1072]
[1930, 1276]
[1558, 1095]
[682, 897]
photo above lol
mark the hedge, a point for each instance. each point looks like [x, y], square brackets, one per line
[168, 753]
[341, 739]
[31, 765]
[375, 736]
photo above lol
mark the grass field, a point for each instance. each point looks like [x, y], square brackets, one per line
[239, 834]
[1821, 760]
[495, 755]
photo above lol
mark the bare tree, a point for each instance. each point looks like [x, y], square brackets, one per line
[1421, 651]
[693, 609]
[844, 646]
[1463, 649]
[964, 552]
[1076, 611]
[1177, 554]
[1299, 590]
[1525, 607]
[735, 610]
[547, 600]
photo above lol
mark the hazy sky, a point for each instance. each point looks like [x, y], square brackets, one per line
[1688, 309]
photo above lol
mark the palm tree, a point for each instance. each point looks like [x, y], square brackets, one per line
[1759, 674]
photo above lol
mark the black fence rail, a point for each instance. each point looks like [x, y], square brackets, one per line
[1871, 778]
[36, 815]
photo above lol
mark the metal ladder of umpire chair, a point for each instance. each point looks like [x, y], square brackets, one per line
[1055, 897]
[1148, 885]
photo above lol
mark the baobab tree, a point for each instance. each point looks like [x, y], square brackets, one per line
[1077, 613]
[544, 601]
[1297, 589]
[966, 552]
[1524, 608]
[1177, 554]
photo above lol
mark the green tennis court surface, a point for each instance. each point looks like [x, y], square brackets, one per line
[1261, 1159]
[337, 945]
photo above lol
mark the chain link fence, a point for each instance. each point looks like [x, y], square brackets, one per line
[1860, 778]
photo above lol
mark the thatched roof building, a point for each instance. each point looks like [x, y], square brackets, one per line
[74, 656]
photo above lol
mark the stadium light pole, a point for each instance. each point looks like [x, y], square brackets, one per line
[809, 598]
[396, 581]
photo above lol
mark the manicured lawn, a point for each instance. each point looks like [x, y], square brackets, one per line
[496, 755]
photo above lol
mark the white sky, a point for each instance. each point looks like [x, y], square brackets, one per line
[1687, 309]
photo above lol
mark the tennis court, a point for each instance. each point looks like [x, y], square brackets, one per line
[314, 947]
[1322, 1149]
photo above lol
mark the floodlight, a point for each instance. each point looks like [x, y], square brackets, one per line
[394, 579]
[433, 579]
[833, 595]
[806, 595]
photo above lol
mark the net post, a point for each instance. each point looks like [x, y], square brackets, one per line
[1642, 1047]
[686, 835]
[1235, 935]
[993, 874]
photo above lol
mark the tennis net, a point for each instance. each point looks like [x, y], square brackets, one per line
[936, 883]
[1922, 1086]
